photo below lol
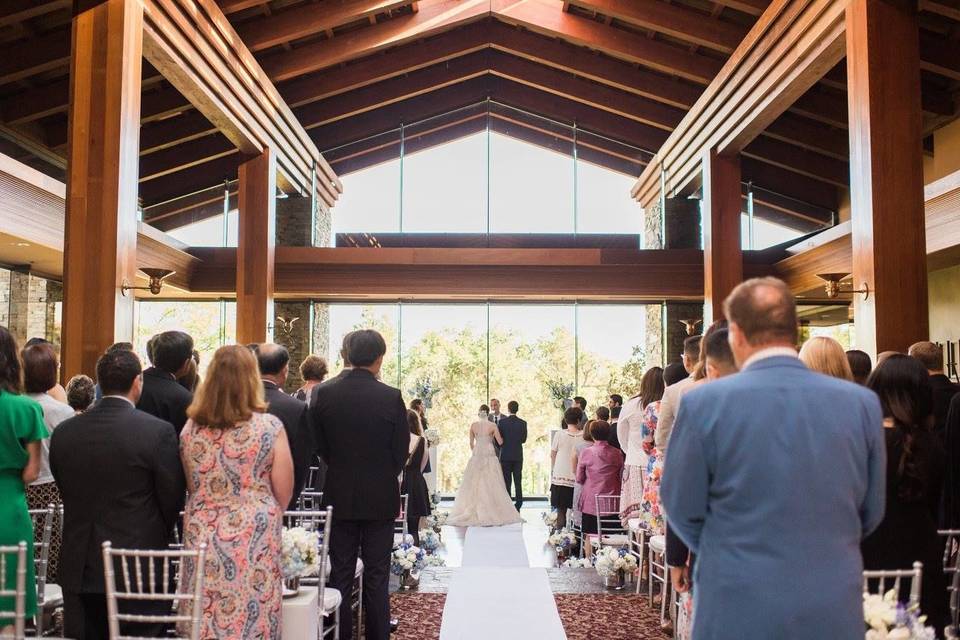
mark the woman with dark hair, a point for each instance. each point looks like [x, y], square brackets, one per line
[599, 470]
[915, 470]
[313, 371]
[414, 486]
[21, 432]
[632, 440]
[39, 376]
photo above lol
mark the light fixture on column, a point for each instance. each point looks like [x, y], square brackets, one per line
[833, 283]
[691, 325]
[156, 276]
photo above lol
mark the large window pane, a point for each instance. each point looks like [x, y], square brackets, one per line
[384, 318]
[370, 174]
[765, 233]
[202, 320]
[606, 172]
[208, 232]
[611, 356]
[532, 346]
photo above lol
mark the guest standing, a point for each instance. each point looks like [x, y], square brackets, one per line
[825, 355]
[313, 371]
[950, 510]
[563, 474]
[576, 516]
[241, 478]
[630, 430]
[414, 485]
[170, 353]
[119, 473]
[361, 430]
[671, 395]
[772, 497]
[598, 470]
[21, 432]
[80, 393]
[915, 470]
[274, 363]
[39, 373]
[513, 429]
[860, 365]
[930, 356]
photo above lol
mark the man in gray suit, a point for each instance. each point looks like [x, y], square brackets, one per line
[514, 432]
[773, 477]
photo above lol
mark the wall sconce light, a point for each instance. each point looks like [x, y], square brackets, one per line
[832, 283]
[157, 276]
[691, 325]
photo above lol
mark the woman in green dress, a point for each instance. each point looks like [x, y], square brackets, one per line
[21, 430]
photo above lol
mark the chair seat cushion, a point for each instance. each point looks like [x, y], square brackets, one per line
[615, 540]
[634, 524]
[52, 595]
[658, 544]
[331, 600]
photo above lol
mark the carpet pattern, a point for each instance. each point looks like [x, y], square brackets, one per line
[584, 616]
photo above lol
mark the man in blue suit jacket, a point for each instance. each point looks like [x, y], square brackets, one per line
[773, 477]
[514, 432]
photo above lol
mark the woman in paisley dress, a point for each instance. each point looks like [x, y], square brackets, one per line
[239, 473]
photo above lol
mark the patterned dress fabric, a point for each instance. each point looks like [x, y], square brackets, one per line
[651, 517]
[231, 507]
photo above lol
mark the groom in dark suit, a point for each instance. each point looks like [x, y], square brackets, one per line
[514, 432]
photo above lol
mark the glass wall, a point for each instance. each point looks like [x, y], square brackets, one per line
[212, 324]
[470, 353]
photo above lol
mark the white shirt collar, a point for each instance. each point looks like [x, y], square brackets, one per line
[124, 398]
[769, 352]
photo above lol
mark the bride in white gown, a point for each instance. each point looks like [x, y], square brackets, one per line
[482, 500]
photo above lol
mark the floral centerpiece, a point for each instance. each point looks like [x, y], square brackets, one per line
[560, 391]
[887, 619]
[423, 388]
[437, 519]
[432, 434]
[613, 564]
[406, 560]
[577, 563]
[430, 541]
[299, 555]
[563, 541]
[434, 561]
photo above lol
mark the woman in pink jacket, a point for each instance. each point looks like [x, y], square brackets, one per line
[598, 470]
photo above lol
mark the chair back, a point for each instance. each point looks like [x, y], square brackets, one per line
[400, 524]
[152, 576]
[951, 549]
[313, 475]
[886, 579]
[953, 631]
[310, 500]
[608, 516]
[318, 521]
[42, 530]
[17, 554]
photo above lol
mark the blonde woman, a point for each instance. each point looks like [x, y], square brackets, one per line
[825, 355]
[239, 474]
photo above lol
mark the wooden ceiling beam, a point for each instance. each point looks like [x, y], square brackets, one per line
[310, 19]
[942, 9]
[233, 6]
[184, 156]
[176, 185]
[16, 11]
[751, 7]
[672, 20]
[433, 17]
[939, 55]
[548, 17]
[19, 60]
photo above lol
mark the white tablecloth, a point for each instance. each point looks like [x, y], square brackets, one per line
[301, 615]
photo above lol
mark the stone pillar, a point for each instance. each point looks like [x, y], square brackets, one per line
[5, 276]
[321, 334]
[676, 330]
[654, 325]
[292, 330]
[18, 316]
[682, 225]
[54, 295]
[293, 223]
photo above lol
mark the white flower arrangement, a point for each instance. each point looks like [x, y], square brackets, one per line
[549, 518]
[406, 557]
[438, 518]
[611, 560]
[430, 540]
[564, 539]
[577, 563]
[432, 434]
[434, 561]
[299, 553]
[887, 619]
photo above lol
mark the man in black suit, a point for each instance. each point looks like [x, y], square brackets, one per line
[274, 362]
[360, 428]
[119, 473]
[514, 432]
[930, 356]
[164, 397]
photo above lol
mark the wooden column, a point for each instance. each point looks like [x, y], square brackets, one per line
[720, 210]
[101, 220]
[886, 174]
[256, 201]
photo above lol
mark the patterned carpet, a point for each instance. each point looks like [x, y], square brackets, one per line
[584, 616]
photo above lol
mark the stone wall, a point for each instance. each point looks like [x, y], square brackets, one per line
[682, 226]
[28, 306]
[654, 325]
[292, 330]
[676, 330]
[293, 223]
[4, 297]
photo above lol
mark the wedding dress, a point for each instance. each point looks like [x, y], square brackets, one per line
[482, 500]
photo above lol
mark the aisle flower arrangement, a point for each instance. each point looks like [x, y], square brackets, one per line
[299, 554]
[614, 564]
[437, 519]
[577, 563]
[432, 434]
[887, 619]
[434, 561]
[549, 518]
[430, 541]
[564, 541]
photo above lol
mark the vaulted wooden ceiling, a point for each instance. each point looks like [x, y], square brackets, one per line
[354, 70]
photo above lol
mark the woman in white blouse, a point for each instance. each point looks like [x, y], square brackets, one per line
[630, 434]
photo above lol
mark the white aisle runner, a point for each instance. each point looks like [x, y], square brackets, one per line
[496, 594]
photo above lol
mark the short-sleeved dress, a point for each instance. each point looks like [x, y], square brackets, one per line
[21, 422]
[231, 507]
[564, 475]
[651, 517]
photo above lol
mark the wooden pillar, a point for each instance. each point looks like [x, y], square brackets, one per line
[886, 174]
[720, 210]
[256, 201]
[101, 221]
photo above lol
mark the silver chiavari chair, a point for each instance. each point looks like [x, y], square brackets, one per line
[880, 579]
[329, 598]
[951, 550]
[313, 474]
[610, 529]
[400, 531]
[43, 525]
[637, 538]
[17, 554]
[658, 572]
[952, 632]
[153, 577]
[309, 500]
